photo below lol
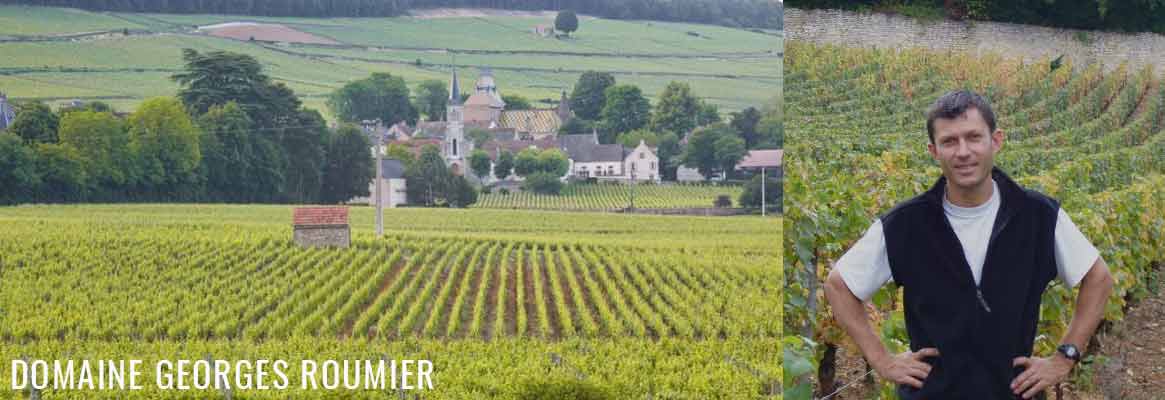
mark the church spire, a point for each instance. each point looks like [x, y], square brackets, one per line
[454, 89]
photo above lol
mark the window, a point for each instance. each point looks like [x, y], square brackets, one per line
[633, 166]
[653, 165]
[454, 150]
[642, 155]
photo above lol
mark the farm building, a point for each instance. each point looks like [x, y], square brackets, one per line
[321, 226]
[392, 186]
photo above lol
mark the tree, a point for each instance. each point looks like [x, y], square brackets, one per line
[479, 136]
[305, 145]
[479, 163]
[432, 96]
[745, 123]
[516, 102]
[380, 96]
[428, 178]
[676, 110]
[708, 113]
[729, 151]
[102, 142]
[669, 152]
[542, 183]
[349, 166]
[219, 77]
[554, 162]
[35, 123]
[18, 170]
[631, 139]
[526, 162]
[228, 156]
[504, 165]
[62, 173]
[566, 21]
[751, 196]
[624, 110]
[166, 144]
[400, 152]
[702, 152]
[460, 193]
[771, 129]
[576, 126]
[588, 97]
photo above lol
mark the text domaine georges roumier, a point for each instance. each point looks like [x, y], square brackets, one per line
[221, 374]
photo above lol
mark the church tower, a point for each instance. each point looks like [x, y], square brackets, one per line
[455, 145]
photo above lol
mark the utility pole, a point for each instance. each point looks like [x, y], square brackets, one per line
[762, 191]
[633, 189]
[370, 126]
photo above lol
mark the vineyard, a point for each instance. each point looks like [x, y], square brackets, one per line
[1092, 137]
[493, 298]
[609, 197]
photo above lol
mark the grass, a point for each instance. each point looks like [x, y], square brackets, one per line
[126, 70]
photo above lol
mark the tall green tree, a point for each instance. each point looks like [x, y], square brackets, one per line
[708, 113]
[398, 151]
[624, 110]
[381, 95]
[35, 123]
[526, 162]
[632, 138]
[349, 167]
[588, 97]
[102, 141]
[166, 144]
[62, 173]
[18, 170]
[706, 151]
[669, 152]
[229, 162]
[676, 110]
[771, 128]
[219, 77]
[479, 163]
[566, 21]
[516, 102]
[504, 166]
[460, 193]
[729, 150]
[432, 96]
[427, 180]
[554, 162]
[745, 123]
[305, 145]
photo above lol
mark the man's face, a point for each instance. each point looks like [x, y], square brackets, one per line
[965, 149]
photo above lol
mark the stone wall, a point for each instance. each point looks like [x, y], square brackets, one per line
[321, 236]
[1026, 41]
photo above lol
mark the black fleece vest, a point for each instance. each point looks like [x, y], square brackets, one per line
[978, 330]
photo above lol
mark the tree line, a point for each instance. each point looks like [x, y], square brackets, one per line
[1126, 16]
[736, 13]
[231, 135]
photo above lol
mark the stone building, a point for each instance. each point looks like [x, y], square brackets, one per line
[321, 226]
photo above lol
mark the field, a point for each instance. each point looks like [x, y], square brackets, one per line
[500, 301]
[609, 197]
[1090, 136]
[732, 68]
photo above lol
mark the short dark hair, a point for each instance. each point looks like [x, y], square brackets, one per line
[955, 103]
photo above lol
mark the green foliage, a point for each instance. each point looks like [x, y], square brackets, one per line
[543, 183]
[624, 110]
[676, 110]
[586, 196]
[427, 180]
[479, 162]
[18, 171]
[229, 161]
[504, 166]
[710, 149]
[554, 162]
[516, 102]
[588, 97]
[461, 193]
[632, 138]
[576, 126]
[219, 77]
[432, 96]
[479, 136]
[62, 173]
[708, 113]
[729, 151]
[400, 152]
[566, 21]
[102, 141]
[349, 166]
[381, 95]
[36, 123]
[745, 123]
[551, 388]
[166, 143]
[305, 146]
[751, 197]
[526, 162]
[669, 153]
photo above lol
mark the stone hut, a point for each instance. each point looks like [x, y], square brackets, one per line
[321, 227]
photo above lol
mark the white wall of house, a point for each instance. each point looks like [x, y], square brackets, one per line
[392, 193]
[598, 169]
[642, 163]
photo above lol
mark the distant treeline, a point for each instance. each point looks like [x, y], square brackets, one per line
[736, 13]
[1127, 16]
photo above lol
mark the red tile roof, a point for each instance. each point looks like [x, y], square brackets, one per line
[314, 216]
[762, 158]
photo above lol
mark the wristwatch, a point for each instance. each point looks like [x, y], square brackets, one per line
[1070, 352]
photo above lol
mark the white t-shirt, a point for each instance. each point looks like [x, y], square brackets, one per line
[866, 266]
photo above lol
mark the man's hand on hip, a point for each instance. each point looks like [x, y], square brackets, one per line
[906, 368]
[1039, 373]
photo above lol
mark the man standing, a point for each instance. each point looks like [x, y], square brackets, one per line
[973, 255]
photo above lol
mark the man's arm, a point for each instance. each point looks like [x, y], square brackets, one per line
[1041, 373]
[906, 368]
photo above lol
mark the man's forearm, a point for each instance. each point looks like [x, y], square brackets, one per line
[851, 315]
[1090, 302]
